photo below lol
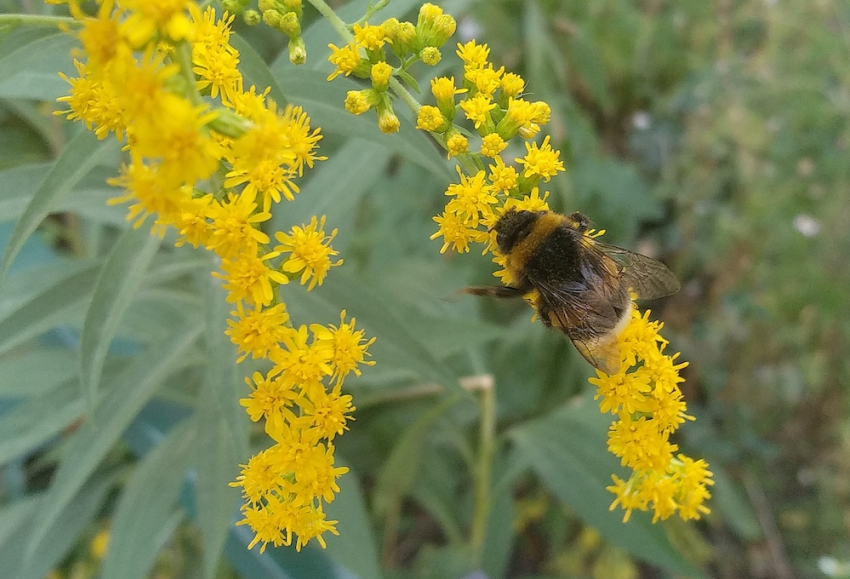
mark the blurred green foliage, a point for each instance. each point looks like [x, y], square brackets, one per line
[711, 135]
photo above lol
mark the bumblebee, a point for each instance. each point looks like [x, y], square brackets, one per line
[582, 285]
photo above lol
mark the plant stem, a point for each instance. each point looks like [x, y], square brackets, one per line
[336, 22]
[483, 471]
[14, 20]
[183, 57]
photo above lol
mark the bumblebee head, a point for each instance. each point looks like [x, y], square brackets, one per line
[514, 226]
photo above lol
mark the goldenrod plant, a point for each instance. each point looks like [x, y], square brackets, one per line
[233, 325]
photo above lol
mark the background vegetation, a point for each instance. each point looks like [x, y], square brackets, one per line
[713, 135]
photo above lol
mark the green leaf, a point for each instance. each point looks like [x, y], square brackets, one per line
[376, 314]
[399, 470]
[323, 101]
[117, 283]
[411, 82]
[39, 418]
[36, 372]
[31, 71]
[255, 71]
[17, 186]
[568, 450]
[732, 503]
[60, 538]
[54, 305]
[126, 395]
[147, 512]
[222, 442]
[78, 158]
[354, 548]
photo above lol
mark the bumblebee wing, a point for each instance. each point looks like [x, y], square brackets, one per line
[648, 278]
[602, 353]
[587, 316]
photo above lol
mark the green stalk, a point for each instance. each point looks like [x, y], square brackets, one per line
[336, 22]
[483, 471]
[15, 20]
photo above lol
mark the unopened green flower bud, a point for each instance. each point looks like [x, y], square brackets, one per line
[232, 6]
[430, 55]
[264, 5]
[272, 18]
[252, 17]
[294, 6]
[289, 25]
[297, 50]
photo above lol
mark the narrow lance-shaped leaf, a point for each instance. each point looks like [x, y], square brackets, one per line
[147, 511]
[222, 442]
[79, 157]
[119, 279]
[567, 449]
[113, 413]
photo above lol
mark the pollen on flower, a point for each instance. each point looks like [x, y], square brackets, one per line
[370, 37]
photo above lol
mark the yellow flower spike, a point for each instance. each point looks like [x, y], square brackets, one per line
[309, 250]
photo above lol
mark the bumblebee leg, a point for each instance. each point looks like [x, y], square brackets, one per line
[502, 291]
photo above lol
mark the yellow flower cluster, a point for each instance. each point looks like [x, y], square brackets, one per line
[366, 57]
[210, 158]
[645, 394]
[492, 103]
[645, 397]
